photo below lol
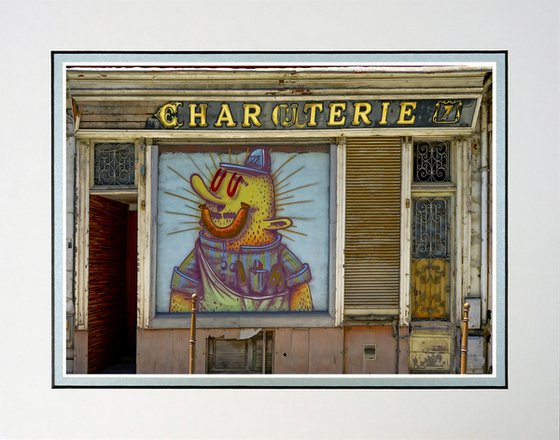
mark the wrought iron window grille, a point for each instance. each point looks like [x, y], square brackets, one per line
[432, 162]
[114, 164]
[430, 228]
[430, 258]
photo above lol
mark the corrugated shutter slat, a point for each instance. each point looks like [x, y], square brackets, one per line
[373, 221]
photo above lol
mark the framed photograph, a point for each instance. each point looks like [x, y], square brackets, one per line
[279, 220]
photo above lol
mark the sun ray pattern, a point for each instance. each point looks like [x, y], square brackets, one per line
[281, 187]
[295, 232]
[198, 168]
[290, 175]
[196, 202]
[182, 213]
[182, 230]
[275, 173]
[295, 203]
[213, 161]
[179, 174]
[284, 198]
[294, 217]
[281, 193]
[286, 237]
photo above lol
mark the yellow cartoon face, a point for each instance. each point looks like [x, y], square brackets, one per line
[239, 205]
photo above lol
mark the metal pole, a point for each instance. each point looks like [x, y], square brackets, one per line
[465, 338]
[192, 344]
[264, 352]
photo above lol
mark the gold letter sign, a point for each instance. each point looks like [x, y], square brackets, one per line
[315, 114]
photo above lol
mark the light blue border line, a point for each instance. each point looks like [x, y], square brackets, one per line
[500, 226]
[499, 317]
[274, 381]
[59, 271]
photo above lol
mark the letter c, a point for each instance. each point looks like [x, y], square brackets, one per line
[167, 115]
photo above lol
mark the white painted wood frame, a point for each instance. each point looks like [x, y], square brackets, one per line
[406, 229]
[81, 240]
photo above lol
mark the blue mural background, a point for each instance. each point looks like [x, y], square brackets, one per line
[177, 228]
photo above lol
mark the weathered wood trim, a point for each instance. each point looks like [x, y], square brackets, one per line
[143, 240]
[80, 352]
[365, 71]
[457, 265]
[81, 240]
[155, 97]
[125, 189]
[152, 170]
[340, 228]
[114, 192]
[119, 135]
[91, 159]
[376, 315]
[467, 200]
[421, 192]
[233, 320]
[289, 81]
[428, 188]
[406, 228]
[485, 265]
[147, 230]
[366, 67]
[477, 110]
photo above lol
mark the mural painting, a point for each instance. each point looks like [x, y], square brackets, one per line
[242, 258]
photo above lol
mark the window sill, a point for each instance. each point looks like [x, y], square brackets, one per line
[243, 320]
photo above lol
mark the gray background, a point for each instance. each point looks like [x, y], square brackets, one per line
[29, 408]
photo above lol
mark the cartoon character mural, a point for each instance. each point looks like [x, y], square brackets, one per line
[239, 262]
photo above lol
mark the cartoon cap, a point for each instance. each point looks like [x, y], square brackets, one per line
[258, 162]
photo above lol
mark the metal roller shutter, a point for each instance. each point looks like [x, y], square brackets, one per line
[373, 223]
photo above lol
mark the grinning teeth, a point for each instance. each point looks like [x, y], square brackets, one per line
[226, 215]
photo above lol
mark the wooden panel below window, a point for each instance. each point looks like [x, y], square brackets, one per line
[430, 289]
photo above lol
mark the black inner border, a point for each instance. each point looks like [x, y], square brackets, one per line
[412, 52]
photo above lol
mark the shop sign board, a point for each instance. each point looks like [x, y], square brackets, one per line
[314, 114]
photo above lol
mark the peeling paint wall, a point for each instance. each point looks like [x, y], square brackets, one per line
[431, 351]
[295, 351]
[476, 230]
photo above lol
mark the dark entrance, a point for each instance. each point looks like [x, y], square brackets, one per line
[112, 287]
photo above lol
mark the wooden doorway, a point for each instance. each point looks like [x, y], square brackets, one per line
[112, 287]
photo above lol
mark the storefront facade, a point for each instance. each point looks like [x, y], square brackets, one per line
[329, 219]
